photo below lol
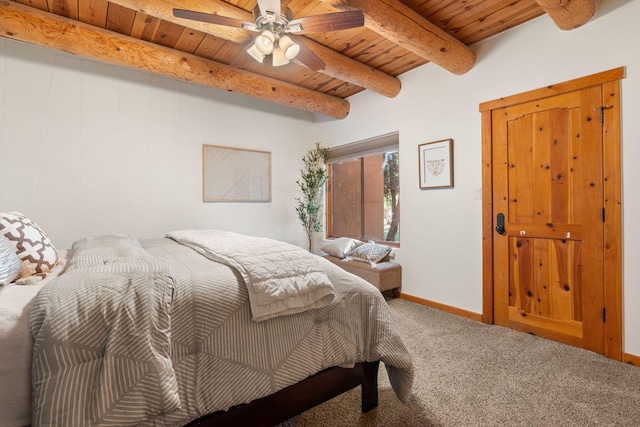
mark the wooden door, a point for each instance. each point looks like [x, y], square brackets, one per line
[548, 184]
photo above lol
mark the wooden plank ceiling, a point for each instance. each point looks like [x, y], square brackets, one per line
[398, 36]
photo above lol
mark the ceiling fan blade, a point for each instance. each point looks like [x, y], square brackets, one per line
[327, 22]
[307, 57]
[270, 9]
[207, 17]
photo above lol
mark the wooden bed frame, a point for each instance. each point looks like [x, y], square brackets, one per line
[297, 398]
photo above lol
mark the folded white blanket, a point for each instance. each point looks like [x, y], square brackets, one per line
[281, 278]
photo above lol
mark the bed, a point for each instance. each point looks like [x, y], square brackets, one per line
[173, 332]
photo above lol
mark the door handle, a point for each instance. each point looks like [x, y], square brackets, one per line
[500, 223]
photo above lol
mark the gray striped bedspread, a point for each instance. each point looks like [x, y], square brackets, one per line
[153, 333]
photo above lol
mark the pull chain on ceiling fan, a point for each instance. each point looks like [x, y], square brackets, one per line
[275, 24]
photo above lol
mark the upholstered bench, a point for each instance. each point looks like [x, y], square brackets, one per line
[386, 276]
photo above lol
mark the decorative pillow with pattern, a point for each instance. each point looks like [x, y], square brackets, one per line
[31, 244]
[341, 246]
[10, 266]
[372, 253]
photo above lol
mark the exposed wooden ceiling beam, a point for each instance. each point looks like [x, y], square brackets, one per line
[338, 66]
[407, 28]
[31, 25]
[569, 14]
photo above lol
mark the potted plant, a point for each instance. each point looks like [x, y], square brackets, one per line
[312, 179]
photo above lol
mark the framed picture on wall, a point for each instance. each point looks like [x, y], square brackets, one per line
[235, 174]
[435, 164]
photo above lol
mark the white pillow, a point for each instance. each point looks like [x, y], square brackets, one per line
[341, 246]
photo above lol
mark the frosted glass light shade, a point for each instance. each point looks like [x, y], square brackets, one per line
[289, 47]
[264, 42]
[255, 53]
[278, 57]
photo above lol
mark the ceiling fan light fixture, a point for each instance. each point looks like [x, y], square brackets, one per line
[255, 53]
[278, 57]
[289, 47]
[264, 42]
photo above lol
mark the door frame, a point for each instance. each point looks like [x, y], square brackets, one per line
[612, 175]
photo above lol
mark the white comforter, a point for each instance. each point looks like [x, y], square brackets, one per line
[281, 278]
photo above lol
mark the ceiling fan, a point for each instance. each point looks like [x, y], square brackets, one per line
[275, 23]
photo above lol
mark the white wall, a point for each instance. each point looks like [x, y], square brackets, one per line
[441, 251]
[88, 148]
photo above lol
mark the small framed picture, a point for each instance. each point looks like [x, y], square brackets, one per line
[435, 164]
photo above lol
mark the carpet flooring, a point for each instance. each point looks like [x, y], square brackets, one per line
[471, 374]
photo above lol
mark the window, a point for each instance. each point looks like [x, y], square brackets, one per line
[363, 190]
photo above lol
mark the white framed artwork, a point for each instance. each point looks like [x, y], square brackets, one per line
[235, 174]
[435, 164]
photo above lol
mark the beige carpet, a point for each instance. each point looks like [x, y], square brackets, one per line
[472, 374]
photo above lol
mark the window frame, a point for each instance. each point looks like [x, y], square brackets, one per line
[352, 151]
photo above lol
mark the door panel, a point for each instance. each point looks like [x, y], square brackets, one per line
[548, 182]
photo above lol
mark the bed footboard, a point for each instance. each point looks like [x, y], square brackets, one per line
[297, 398]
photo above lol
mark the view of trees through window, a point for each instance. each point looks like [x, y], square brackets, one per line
[392, 197]
[363, 198]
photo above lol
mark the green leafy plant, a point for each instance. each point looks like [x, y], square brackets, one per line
[312, 179]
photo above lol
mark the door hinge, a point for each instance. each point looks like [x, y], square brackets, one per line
[604, 314]
[603, 215]
[604, 107]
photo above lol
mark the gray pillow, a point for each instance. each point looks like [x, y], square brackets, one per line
[370, 252]
[10, 265]
[105, 249]
[341, 246]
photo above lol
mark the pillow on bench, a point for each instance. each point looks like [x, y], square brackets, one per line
[371, 253]
[341, 247]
